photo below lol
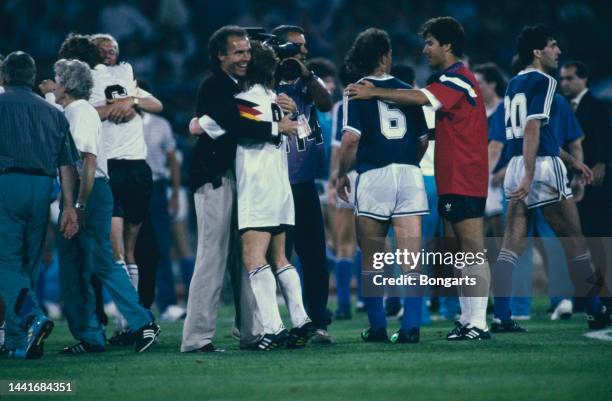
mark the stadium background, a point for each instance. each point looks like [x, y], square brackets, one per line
[166, 40]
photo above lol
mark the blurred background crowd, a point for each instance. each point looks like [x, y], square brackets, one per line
[165, 40]
[166, 43]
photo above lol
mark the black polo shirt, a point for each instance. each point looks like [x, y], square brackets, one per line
[213, 157]
[34, 136]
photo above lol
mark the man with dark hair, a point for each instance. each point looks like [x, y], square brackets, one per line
[536, 177]
[36, 141]
[308, 235]
[594, 117]
[385, 143]
[447, 31]
[80, 47]
[460, 158]
[214, 185]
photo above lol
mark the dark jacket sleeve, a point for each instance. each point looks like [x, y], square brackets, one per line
[603, 131]
[217, 101]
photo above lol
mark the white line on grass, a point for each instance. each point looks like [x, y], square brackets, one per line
[605, 334]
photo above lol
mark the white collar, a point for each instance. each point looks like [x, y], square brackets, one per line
[232, 78]
[382, 77]
[74, 103]
[578, 98]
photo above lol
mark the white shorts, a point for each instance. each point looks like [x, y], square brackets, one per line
[392, 191]
[549, 185]
[340, 203]
[495, 196]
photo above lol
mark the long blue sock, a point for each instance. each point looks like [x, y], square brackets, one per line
[502, 283]
[584, 282]
[376, 312]
[343, 271]
[357, 272]
[413, 307]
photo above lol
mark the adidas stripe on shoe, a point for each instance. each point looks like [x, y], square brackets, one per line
[146, 336]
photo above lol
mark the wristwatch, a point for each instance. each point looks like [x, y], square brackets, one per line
[136, 101]
[79, 206]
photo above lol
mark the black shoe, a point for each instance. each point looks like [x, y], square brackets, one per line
[298, 336]
[342, 314]
[375, 336]
[82, 348]
[512, 326]
[145, 337]
[122, 338]
[208, 348]
[474, 333]
[457, 332]
[410, 336]
[600, 320]
[272, 341]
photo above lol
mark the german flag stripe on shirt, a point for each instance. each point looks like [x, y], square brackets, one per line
[247, 109]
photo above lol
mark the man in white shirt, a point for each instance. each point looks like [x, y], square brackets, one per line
[89, 252]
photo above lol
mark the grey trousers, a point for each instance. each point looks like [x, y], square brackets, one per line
[218, 251]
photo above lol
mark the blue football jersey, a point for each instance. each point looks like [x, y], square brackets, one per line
[389, 133]
[497, 132]
[304, 154]
[530, 96]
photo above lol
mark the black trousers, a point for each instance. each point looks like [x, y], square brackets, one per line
[596, 222]
[147, 257]
[308, 237]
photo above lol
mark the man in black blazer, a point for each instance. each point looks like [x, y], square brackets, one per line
[594, 117]
[214, 185]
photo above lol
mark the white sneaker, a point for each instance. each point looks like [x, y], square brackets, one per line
[563, 310]
[173, 313]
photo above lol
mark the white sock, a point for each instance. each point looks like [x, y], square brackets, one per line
[289, 282]
[464, 304]
[263, 284]
[478, 302]
[132, 269]
[121, 323]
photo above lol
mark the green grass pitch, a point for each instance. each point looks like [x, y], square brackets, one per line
[553, 361]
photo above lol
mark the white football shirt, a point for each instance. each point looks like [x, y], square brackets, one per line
[125, 140]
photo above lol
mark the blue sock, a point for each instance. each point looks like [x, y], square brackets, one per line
[357, 272]
[413, 307]
[330, 257]
[343, 271]
[502, 283]
[584, 281]
[376, 312]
